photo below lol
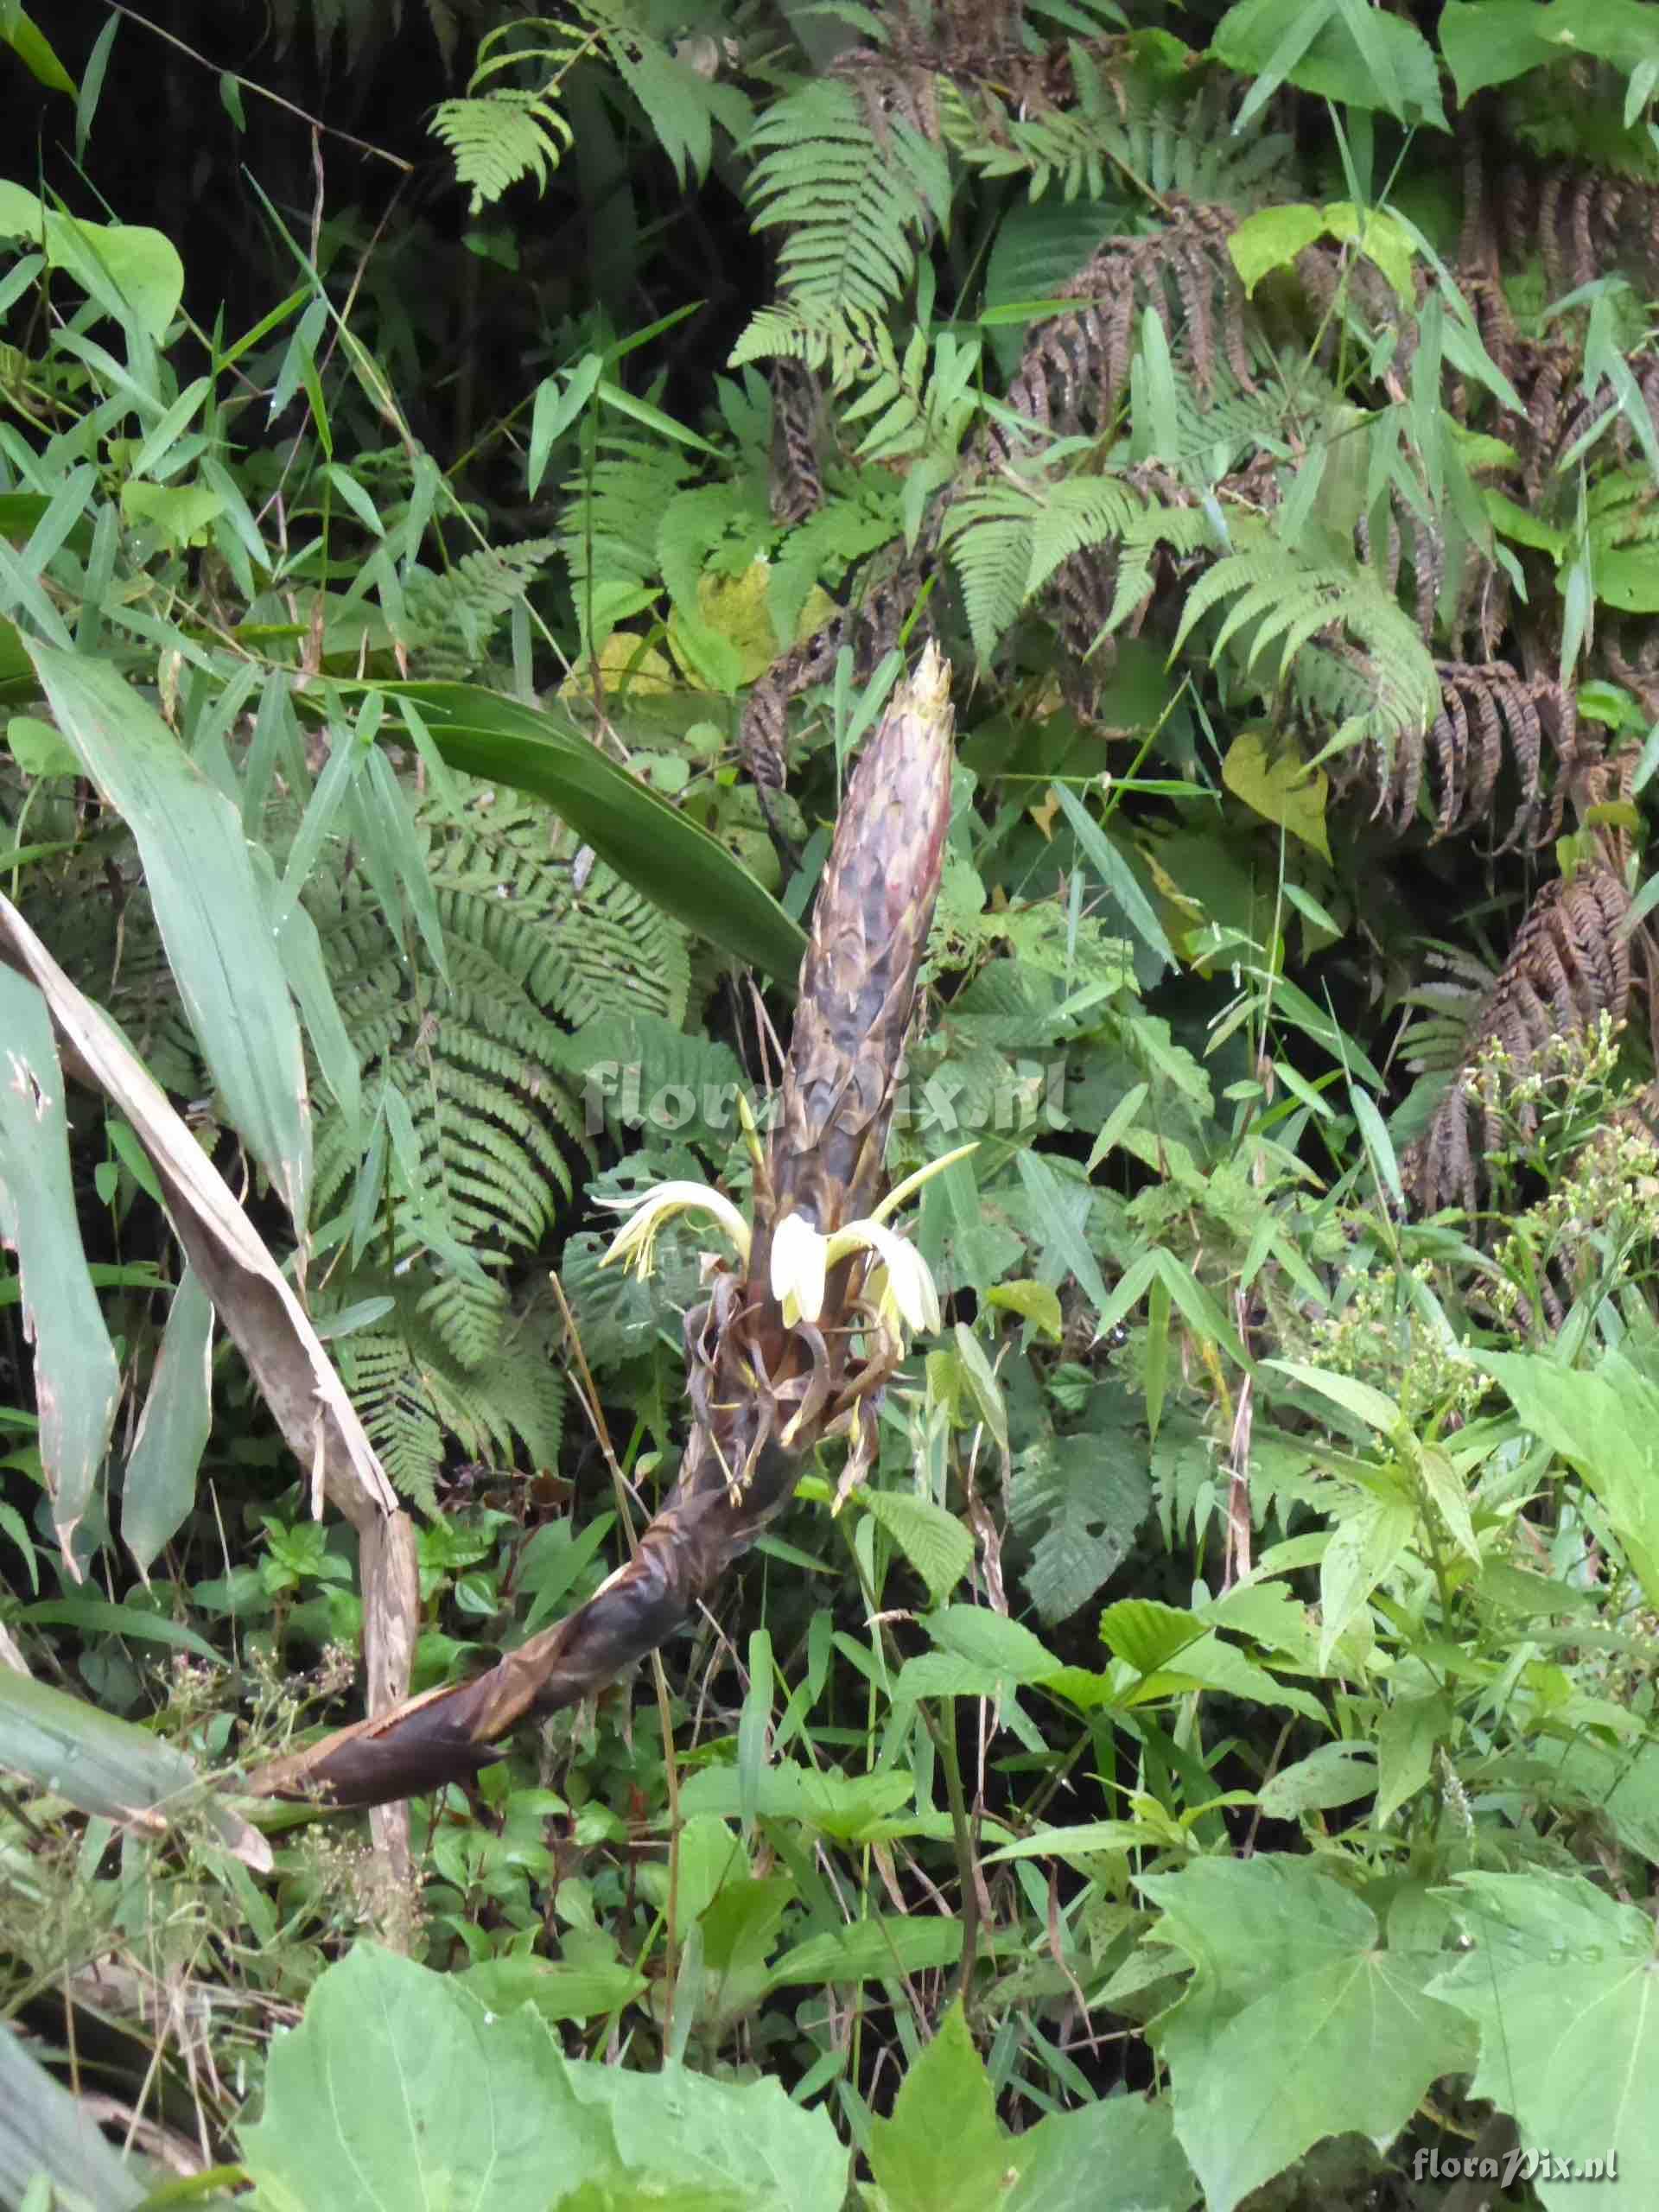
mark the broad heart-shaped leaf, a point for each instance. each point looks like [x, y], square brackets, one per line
[77, 1379]
[207, 906]
[661, 851]
[944, 2150]
[1365, 59]
[1296, 2025]
[1606, 1424]
[733, 2146]
[398, 2090]
[1280, 790]
[125, 268]
[1562, 1984]
[1489, 41]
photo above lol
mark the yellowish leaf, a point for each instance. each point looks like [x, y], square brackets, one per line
[1278, 789]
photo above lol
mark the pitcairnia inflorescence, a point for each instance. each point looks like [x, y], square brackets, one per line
[797, 1335]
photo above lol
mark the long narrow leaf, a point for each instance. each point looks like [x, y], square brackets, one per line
[207, 907]
[249, 1290]
[44, 2129]
[107, 1766]
[77, 1378]
[690, 874]
[160, 1485]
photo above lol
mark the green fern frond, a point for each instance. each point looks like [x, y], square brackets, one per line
[840, 343]
[613, 518]
[449, 619]
[719, 529]
[1127, 125]
[854, 205]
[418, 1403]
[1006, 541]
[488, 1071]
[923, 405]
[1280, 605]
[498, 137]
[860, 514]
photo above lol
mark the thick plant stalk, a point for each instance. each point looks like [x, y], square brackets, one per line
[764, 1391]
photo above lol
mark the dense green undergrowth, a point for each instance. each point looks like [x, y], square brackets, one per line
[1212, 1758]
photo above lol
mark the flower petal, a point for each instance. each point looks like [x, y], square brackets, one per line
[799, 1263]
[635, 1239]
[910, 1283]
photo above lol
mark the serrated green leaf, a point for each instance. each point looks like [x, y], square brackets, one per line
[1559, 1979]
[935, 1542]
[1297, 2025]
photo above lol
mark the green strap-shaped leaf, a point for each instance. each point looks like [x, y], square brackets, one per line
[160, 1485]
[108, 1767]
[44, 2129]
[208, 907]
[26, 41]
[77, 1379]
[690, 874]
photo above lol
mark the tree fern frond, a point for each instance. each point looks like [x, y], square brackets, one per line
[1282, 603]
[1119, 123]
[419, 1403]
[1006, 541]
[854, 207]
[488, 1071]
[450, 619]
[612, 516]
[499, 137]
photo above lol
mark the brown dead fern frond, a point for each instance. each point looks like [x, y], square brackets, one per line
[795, 487]
[1583, 223]
[1489, 712]
[1074, 372]
[872, 624]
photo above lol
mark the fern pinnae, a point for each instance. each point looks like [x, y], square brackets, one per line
[854, 207]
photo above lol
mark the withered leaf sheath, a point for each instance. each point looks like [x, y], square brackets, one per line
[762, 1394]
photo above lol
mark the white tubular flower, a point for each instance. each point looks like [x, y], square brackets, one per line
[800, 1259]
[635, 1239]
[907, 1292]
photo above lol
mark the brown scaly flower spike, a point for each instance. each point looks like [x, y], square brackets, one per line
[792, 1344]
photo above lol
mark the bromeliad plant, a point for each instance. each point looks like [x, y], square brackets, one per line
[794, 1344]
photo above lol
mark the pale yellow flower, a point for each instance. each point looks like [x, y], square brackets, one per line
[637, 1237]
